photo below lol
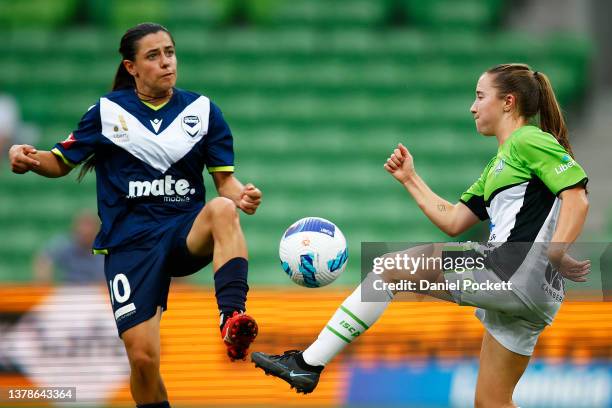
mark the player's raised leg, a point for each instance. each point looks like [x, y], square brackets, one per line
[357, 314]
[217, 230]
[142, 345]
[500, 370]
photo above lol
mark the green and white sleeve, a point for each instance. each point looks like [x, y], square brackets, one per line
[549, 161]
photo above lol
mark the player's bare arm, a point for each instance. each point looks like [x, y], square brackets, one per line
[24, 158]
[247, 197]
[452, 219]
[574, 209]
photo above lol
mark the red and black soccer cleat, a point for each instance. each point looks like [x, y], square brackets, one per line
[238, 332]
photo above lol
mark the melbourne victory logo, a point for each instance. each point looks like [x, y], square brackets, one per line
[192, 125]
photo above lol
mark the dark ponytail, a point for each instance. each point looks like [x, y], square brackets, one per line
[534, 95]
[123, 79]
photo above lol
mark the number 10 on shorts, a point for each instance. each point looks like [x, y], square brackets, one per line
[120, 292]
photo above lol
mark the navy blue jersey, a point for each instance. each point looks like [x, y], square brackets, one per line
[148, 162]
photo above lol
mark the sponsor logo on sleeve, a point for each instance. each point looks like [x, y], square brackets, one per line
[568, 162]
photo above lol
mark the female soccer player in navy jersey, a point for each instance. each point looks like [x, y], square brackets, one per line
[533, 192]
[149, 143]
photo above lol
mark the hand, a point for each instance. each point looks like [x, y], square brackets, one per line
[570, 268]
[250, 199]
[20, 160]
[400, 164]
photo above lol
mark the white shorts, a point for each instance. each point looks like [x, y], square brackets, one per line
[505, 316]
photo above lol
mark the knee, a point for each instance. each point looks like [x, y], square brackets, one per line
[144, 362]
[222, 210]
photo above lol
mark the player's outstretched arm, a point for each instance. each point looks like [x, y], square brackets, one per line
[247, 197]
[452, 219]
[24, 158]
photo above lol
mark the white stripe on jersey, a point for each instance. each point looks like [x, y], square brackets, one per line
[503, 211]
[161, 150]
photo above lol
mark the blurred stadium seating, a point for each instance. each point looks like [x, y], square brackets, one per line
[317, 93]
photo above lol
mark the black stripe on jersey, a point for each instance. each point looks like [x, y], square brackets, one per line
[536, 206]
[537, 203]
[499, 190]
[477, 205]
[582, 183]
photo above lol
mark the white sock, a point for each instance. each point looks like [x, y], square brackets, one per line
[351, 319]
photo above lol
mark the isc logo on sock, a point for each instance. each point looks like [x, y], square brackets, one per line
[354, 332]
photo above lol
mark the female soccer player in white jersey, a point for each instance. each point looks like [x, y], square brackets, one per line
[532, 191]
[149, 143]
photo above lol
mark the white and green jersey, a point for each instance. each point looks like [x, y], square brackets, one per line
[518, 191]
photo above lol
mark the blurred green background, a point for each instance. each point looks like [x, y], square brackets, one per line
[317, 93]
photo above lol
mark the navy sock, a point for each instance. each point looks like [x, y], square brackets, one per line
[163, 404]
[231, 287]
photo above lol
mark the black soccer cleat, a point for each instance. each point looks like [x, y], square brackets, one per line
[290, 367]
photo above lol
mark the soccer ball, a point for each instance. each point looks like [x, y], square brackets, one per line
[313, 252]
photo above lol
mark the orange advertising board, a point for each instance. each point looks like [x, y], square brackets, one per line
[65, 336]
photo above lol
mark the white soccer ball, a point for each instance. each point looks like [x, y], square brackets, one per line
[313, 252]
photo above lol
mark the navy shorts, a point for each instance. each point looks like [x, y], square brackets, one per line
[139, 277]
